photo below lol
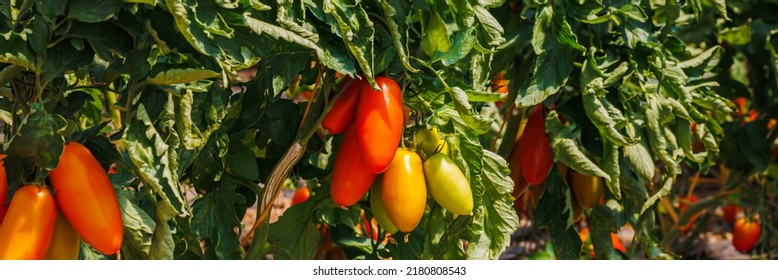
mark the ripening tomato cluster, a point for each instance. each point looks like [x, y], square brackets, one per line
[369, 155]
[39, 224]
[531, 160]
[588, 246]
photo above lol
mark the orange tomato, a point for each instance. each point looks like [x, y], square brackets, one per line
[740, 102]
[87, 199]
[3, 188]
[745, 234]
[404, 190]
[617, 244]
[684, 205]
[351, 177]
[301, 195]
[26, 232]
[588, 189]
[499, 83]
[379, 123]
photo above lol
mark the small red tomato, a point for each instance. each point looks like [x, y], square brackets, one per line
[745, 234]
[730, 213]
[685, 203]
[301, 195]
[740, 102]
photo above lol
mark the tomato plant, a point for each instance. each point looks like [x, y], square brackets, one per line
[86, 197]
[745, 234]
[29, 223]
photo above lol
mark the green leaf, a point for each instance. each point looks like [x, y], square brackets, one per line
[214, 219]
[209, 165]
[566, 150]
[736, 36]
[490, 25]
[280, 122]
[602, 224]
[244, 164]
[138, 226]
[480, 124]
[610, 164]
[435, 38]
[555, 212]
[657, 138]
[554, 44]
[633, 12]
[463, 42]
[38, 143]
[153, 160]
[200, 114]
[105, 39]
[296, 229]
[62, 58]
[355, 27]
[93, 11]
[395, 15]
[15, 50]
[181, 76]
[162, 245]
[50, 8]
[600, 116]
[494, 219]
[638, 156]
[635, 32]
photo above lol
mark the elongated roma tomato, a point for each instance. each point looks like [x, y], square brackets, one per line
[535, 150]
[379, 211]
[3, 188]
[351, 177]
[343, 112]
[29, 223]
[447, 185]
[65, 242]
[588, 189]
[379, 123]
[404, 190]
[745, 233]
[87, 199]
